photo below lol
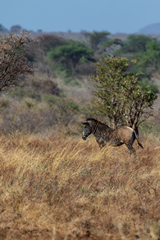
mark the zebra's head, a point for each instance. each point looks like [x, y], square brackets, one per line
[87, 130]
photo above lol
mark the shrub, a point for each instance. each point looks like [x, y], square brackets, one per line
[13, 61]
[4, 103]
[118, 94]
[72, 105]
[24, 92]
[49, 98]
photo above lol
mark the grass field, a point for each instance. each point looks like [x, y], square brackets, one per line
[60, 187]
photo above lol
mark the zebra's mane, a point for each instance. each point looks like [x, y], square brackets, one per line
[96, 121]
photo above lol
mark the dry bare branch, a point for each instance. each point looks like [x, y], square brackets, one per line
[13, 61]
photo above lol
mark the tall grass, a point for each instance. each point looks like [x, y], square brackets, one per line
[66, 188]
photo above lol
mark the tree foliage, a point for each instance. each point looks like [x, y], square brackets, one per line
[13, 61]
[69, 54]
[145, 82]
[111, 42]
[150, 59]
[96, 37]
[111, 45]
[136, 44]
[146, 51]
[50, 41]
[118, 94]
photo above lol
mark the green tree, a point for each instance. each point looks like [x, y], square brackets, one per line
[50, 41]
[97, 37]
[146, 50]
[111, 42]
[135, 44]
[118, 94]
[150, 59]
[111, 45]
[69, 54]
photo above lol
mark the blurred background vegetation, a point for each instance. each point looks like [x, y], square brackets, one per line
[61, 90]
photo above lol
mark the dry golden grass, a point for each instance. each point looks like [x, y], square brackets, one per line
[66, 188]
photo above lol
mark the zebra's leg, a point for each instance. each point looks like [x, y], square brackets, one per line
[131, 149]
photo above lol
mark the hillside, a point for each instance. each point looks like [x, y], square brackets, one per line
[152, 29]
